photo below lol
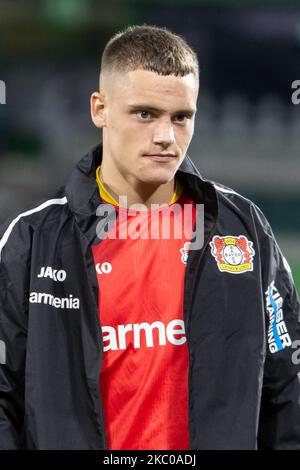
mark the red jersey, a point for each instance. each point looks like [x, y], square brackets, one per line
[144, 374]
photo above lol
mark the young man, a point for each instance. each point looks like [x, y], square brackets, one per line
[113, 341]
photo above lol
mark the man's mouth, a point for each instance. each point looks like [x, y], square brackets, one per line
[161, 157]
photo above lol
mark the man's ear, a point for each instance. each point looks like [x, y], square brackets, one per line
[98, 106]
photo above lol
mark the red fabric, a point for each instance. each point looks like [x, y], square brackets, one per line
[144, 376]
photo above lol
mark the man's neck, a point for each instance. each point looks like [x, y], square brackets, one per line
[147, 195]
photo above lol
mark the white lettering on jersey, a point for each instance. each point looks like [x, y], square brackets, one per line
[115, 339]
[104, 268]
[47, 271]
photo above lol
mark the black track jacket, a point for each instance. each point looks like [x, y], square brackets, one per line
[242, 328]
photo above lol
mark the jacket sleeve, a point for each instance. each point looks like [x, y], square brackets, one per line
[279, 424]
[14, 279]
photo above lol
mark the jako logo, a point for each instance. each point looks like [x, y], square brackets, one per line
[53, 273]
[115, 338]
[2, 92]
[104, 268]
[296, 94]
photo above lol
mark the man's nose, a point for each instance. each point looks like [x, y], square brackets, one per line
[164, 134]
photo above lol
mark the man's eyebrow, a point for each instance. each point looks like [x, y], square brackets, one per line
[138, 107]
[153, 109]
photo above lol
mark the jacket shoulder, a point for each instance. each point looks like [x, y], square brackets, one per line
[244, 206]
[228, 194]
[16, 232]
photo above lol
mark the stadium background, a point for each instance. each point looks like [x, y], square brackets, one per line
[247, 133]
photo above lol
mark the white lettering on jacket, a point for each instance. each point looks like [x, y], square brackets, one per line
[278, 336]
[119, 337]
[47, 271]
[57, 302]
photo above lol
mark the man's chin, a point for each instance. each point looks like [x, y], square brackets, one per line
[158, 176]
[157, 181]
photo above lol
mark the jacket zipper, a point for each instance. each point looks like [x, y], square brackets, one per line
[187, 320]
[100, 347]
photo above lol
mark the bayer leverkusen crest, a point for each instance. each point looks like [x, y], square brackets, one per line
[233, 254]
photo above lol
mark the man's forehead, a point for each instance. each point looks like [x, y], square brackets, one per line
[145, 82]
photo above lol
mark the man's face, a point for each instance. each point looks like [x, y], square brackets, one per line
[148, 123]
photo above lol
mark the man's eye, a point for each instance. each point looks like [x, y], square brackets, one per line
[181, 118]
[143, 115]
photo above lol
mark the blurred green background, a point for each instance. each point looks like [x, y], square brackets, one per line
[296, 273]
[247, 130]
